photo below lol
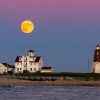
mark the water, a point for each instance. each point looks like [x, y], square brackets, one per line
[50, 93]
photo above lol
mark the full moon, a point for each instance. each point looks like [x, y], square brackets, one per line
[27, 26]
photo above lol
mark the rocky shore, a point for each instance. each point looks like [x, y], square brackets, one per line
[5, 82]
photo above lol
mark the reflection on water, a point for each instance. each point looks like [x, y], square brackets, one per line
[50, 93]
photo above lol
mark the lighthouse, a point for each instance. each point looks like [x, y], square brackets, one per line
[96, 60]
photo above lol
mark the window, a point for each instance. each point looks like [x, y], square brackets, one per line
[18, 63]
[17, 69]
[20, 69]
[34, 69]
[30, 69]
[25, 59]
[30, 63]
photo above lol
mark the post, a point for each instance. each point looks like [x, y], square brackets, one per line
[88, 64]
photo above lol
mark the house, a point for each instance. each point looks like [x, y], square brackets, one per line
[46, 70]
[6, 68]
[96, 60]
[29, 62]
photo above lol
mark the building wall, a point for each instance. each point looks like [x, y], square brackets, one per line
[96, 67]
[46, 71]
[3, 69]
[28, 63]
[39, 64]
[18, 67]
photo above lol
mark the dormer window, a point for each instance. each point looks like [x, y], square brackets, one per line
[30, 53]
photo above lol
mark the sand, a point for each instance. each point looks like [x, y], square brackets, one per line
[5, 82]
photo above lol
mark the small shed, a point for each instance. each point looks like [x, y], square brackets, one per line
[47, 70]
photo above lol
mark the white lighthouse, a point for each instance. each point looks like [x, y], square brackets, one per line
[96, 60]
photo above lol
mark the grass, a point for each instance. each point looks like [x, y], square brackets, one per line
[77, 76]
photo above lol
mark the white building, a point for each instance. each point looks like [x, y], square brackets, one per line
[6, 68]
[47, 70]
[96, 60]
[29, 62]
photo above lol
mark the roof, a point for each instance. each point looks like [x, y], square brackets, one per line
[7, 65]
[46, 68]
[37, 59]
[17, 59]
[30, 51]
[97, 45]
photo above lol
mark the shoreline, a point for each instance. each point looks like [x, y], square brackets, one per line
[5, 82]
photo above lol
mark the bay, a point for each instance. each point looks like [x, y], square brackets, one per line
[50, 93]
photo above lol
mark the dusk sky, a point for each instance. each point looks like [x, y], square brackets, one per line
[65, 35]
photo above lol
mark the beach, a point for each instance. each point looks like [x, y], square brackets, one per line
[5, 82]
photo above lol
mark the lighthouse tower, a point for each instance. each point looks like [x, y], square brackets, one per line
[96, 60]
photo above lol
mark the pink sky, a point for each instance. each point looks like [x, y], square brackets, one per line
[60, 25]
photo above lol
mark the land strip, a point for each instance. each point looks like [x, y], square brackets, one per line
[5, 82]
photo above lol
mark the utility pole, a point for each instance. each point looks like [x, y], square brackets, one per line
[88, 64]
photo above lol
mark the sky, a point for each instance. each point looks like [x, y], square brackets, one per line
[65, 35]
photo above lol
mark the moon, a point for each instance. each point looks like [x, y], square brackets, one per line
[27, 26]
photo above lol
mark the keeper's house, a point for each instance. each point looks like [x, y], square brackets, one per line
[28, 63]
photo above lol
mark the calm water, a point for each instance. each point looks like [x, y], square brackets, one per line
[50, 93]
